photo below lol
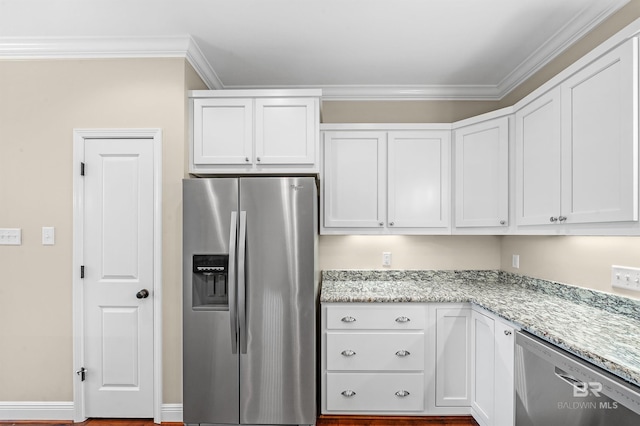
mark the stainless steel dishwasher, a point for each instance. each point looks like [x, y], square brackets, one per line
[554, 387]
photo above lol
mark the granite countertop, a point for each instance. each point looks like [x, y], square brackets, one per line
[601, 328]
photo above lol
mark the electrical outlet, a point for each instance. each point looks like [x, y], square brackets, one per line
[625, 277]
[515, 261]
[10, 236]
[386, 258]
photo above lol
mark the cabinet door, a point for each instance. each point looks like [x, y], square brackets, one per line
[453, 364]
[600, 140]
[418, 180]
[222, 131]
[504, 400]
[483, 368]
[482, 174]
[354, 176]
[286, 130]
[538, 174]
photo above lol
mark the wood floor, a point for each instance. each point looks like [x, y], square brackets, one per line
[322, 421]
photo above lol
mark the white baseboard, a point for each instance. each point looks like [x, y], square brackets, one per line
[63, 410]
[172, 413]
[29, 410]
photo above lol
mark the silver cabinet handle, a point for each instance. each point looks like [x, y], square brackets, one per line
[381, 223]
[507, 332]
[348, 352]
[348, 319]
[246, 159]
[562, 218]
[402, 319]
[403, 353]
[553, 219]
[402, 393]
[503, 222]
[258, 159]
[348, 393]
[391, 224]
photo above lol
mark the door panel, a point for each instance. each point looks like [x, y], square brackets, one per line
[210, 368]
[118, 258]
[277, 379]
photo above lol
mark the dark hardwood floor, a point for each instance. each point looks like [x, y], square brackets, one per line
[322, 421]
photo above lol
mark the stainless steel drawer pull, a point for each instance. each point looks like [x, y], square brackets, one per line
[402, 393]
[348, 352]
[348, 319]
[348, 393]
[403, 353]
[507, 333]
[402, 319]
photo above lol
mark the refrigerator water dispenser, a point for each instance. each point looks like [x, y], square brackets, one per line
[210, 281]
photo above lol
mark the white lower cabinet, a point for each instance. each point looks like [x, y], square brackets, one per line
[373, 358]
[450, 348]
[492, 369]
[417, 359]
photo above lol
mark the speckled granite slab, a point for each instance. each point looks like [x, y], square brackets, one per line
[601, 328]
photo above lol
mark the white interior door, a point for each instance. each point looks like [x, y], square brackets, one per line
[118, 259]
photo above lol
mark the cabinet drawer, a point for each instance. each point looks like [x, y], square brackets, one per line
[375, 351]
[375, 392]
[376, 317]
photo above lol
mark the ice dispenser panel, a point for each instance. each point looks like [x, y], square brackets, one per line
[210, 281]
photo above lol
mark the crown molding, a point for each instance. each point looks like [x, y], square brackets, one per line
[186, 47]
[111, 47]
[415, 92]
[590, 17]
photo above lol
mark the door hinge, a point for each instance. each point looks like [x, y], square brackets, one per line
[82, 271]
[82, 169]
[82, 373]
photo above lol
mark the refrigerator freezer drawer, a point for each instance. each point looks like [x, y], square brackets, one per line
[375, 351]
[375, 392]
[375, 317]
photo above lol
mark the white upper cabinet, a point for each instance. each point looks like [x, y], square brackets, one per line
[418, 167]
[482, 174]
[286, 130]
[577, 146]
[381, 182]
[538, 172]
[600, 139]
[354, 179]
[254, 131]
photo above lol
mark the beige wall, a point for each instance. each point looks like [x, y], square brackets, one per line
[403, 111]
[41, 102]
[409, 252]
[582, 261]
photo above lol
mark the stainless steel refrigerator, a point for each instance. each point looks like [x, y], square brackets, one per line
[249, 293]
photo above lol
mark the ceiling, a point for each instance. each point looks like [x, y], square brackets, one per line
[352, 49]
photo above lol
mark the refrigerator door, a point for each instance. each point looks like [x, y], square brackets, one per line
[210, 366]
[277, 359]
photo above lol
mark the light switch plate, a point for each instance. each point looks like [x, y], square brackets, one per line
[10, 236]
[48, 235]
[625, 277]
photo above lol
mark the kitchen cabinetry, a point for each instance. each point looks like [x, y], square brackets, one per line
[577, 146]
[492, 346]
[481, 186]
[258, 131]
[385, 182]
[373, 358]
[451, 351]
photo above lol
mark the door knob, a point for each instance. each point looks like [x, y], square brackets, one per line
[142, 294]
